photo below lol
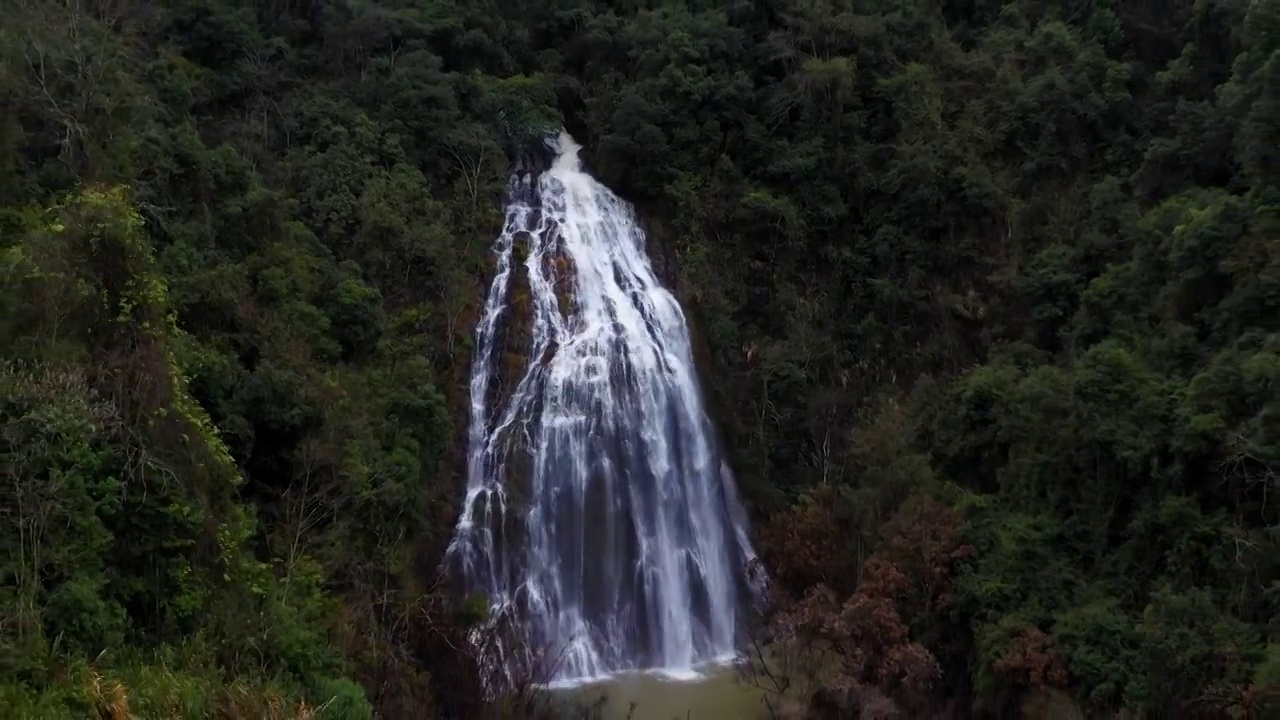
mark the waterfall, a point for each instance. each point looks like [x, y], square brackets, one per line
[599, 520]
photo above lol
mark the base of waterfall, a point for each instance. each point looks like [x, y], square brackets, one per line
[777, 679]
[692, 674]
[710, 691]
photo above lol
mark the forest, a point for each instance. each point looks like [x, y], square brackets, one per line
[986, 296]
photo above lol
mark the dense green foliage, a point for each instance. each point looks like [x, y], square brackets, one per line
[1021, 258]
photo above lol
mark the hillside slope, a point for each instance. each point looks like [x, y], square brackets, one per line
[987, 292]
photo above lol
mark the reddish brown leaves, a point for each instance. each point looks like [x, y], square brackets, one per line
[1030, 661]
[876, 639]
[803, 544]
[901, 585]
[923, 542]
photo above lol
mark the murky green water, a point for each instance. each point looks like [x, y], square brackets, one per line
[719, 695]
[725, 692]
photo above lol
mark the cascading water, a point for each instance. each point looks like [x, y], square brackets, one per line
[599, 519]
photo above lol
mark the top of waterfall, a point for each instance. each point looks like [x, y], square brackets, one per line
[566, 153]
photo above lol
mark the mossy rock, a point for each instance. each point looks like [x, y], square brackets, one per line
[565, 301]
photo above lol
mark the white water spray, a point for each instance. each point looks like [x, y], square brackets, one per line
[599, 519]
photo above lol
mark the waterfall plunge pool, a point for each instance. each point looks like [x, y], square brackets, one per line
[727, 689]
[715, 693]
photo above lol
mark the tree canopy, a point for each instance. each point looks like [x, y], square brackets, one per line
[986, 296]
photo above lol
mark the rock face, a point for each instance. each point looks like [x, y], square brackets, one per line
[531, 159]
